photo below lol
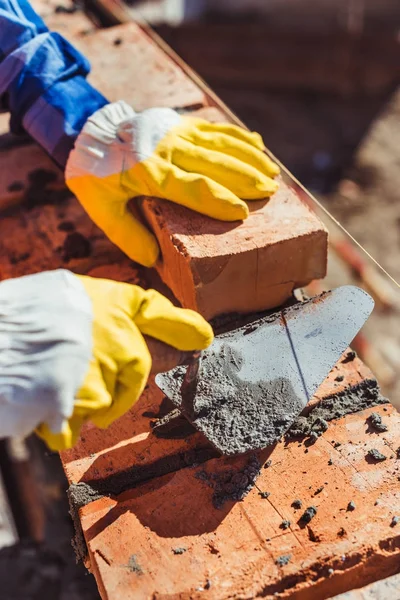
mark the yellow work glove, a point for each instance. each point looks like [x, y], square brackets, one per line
[208, 167]
[72, 349]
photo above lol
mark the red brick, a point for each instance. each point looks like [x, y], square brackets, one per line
[235, 548]
[36, 241]
[136, 70]
[129, 443]
[215, 267]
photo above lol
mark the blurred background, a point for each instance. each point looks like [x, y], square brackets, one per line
[318, 79]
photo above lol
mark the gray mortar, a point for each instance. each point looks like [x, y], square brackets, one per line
[353, 399]
[79, 495]
[375, 422]
[134, 566]
[308, 515]
[283, 560]
[236, 416]
[231, 485]
[264, 495]
[179, 550]
[350, 356]
[374, 455]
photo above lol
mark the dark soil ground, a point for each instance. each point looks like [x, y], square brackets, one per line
[46, 571]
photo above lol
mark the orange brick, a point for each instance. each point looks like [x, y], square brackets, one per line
[215, 267]
[234, 550]
[136, 69]
[128, 444]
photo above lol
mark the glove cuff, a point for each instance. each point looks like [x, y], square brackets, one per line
[116, 138]
[45, 349]
[98, 141]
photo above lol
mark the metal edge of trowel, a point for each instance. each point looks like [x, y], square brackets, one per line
[287, 316]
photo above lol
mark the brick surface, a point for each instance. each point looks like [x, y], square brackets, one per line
[36, 216]
[128, 65]
[129, 443]
[215, 267]
[234, 550]
[387, 589]
[230, 553]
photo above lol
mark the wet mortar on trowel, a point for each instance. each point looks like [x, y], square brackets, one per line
[235, 416]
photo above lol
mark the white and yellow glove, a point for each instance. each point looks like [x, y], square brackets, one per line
[208, 167]
[72, 348]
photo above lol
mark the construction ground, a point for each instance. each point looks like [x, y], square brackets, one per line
[328, 106]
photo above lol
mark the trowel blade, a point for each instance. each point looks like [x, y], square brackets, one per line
[256, 380]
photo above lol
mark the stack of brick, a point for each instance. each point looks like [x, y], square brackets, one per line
[153, 520]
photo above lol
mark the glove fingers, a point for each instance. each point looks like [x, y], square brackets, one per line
[114, 217]
[197, 192]
[131, 376]
[240, 178]
[66, 438]
[92, 396]
[182, 328]
[242, 150]
[249, 137]
[163, 356]
[95, 393]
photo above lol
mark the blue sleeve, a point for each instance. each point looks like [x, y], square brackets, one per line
[43, 81]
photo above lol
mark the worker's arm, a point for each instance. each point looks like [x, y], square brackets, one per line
[74, 349]
[43, 81]
[120, 154]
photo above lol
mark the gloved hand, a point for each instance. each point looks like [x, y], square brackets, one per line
[207, 167]
[72, 349]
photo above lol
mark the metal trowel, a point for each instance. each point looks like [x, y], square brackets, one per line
[253, 382]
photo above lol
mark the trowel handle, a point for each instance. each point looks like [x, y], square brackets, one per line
[193, 369]
[189, 384]
[165, 357]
